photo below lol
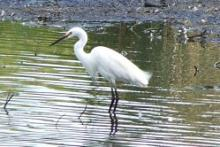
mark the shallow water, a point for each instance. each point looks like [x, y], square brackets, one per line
[51, 89]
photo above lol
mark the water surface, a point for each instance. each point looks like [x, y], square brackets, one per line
[51, 89]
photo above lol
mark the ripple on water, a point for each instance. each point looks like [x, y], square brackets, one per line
[53, 90]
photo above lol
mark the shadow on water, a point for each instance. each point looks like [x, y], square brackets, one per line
[56, 102]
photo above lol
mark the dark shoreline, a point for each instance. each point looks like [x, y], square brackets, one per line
[198, 15]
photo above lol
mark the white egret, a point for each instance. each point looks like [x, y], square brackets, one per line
[110, 64]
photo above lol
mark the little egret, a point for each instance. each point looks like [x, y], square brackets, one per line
[106, 62]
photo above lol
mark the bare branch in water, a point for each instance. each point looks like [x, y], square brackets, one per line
[9, 97]
[59, 120]
[83, 112]
[196, 70]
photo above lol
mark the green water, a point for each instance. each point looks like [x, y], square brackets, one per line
[51, 89]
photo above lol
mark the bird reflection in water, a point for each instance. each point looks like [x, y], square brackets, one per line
[114, 123]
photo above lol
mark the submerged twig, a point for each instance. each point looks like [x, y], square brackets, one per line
[9, 97]
[196, 70]
[59, 120]
[83, 112]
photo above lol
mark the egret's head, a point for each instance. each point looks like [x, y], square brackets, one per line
[75, 31]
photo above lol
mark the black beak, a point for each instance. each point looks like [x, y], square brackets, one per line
[60, 39]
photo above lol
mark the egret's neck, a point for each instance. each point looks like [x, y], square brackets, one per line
[84, 58]
[79, 46]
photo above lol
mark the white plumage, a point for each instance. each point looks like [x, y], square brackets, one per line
[104, 61]
[115, 67]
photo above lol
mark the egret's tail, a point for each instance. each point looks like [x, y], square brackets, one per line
[148, 75]
[143, 79]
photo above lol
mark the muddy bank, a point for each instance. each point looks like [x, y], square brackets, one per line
[199, 14]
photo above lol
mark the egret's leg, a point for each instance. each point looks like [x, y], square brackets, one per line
[117, 98]
[113, 99]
